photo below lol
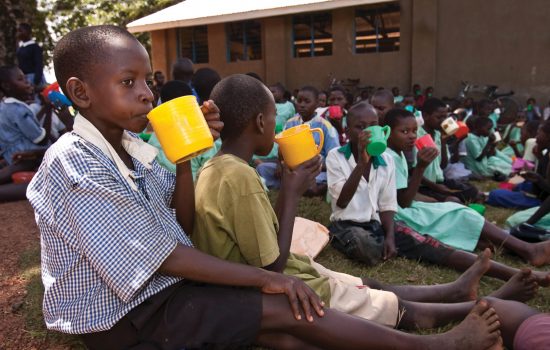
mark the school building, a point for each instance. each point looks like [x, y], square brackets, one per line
[383, 43]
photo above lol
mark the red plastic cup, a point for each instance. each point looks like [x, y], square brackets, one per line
[462, 131]
[22, 177]
[335, 112]
[425, 141]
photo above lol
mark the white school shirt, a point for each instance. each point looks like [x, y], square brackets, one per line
[377, 195]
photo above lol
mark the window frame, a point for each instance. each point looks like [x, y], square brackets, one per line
[390, 6]
[194, 29]
[294, 52]
[245, 41]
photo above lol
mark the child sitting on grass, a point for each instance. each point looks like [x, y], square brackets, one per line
[434, 184]
[235, 221]
[482, 156]
[285, 108]
[364, 201]
[117, 265]
[450, 223]
[23, 140]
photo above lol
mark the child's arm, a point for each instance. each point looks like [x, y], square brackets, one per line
[425, 156]
[488, 150]
[183, 199]
[386, 218]
[514, 146]
[362, 169]
[294, 183]
[190, 263]
[444, 154]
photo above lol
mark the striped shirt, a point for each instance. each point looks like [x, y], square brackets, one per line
[102, 240]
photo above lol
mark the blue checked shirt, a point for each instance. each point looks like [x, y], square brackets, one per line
[102, 242]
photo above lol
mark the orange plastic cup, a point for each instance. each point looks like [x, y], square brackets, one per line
[297, 144]
[181, 129]
[425, 141]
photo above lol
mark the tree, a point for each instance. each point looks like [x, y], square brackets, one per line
[67, 15]
[13, 12]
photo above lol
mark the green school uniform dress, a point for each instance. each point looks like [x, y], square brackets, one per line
[515, 135]
[433, 172]
[488, 165]
[285, 111]
[449, 222]
[524, 215]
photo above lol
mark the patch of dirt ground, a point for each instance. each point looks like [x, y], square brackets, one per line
[18, 234]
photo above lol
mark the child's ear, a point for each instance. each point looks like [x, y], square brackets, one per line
[260, 123]
[78, 94]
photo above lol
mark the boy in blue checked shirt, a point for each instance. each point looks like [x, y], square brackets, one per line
[116, 264]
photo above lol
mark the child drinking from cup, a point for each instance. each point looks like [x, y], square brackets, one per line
[338, 102]
[450, 223]
[255, 234]
[118, 267]
[482, 156]
[306, 104]
[364, 199]
[434, 184]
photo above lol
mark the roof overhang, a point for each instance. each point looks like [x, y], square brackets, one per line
[200, 12]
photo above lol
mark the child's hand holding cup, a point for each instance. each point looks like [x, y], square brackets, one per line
[378, 138]
[182, 129]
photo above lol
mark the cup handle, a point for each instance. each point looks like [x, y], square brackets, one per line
[387, 131]
[321, 138]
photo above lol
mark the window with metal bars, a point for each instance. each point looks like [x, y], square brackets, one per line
[312, 35]
[193, 43]
[244, 41]
[377, 28]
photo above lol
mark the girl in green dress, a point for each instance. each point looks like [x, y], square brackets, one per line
[451, 223]
[483, 158]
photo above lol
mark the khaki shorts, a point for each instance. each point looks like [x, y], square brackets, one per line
[349, 295]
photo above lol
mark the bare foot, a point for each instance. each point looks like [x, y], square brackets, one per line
[543, 278]
[466, 286]
[540, 254]
[521, 287]
[478, 331]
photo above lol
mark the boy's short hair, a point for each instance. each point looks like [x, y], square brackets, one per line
[479, 122]
[384, 94]
[337, 88]
[174, 89]
[204, 81]
[392, 117]
[6, 73]
[255, 76]
[311, 89]
[431, 105]
[79, 50]
[240, 99]
[357, 107]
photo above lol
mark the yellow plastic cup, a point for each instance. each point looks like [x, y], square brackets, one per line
[181, 129]
[297, 144]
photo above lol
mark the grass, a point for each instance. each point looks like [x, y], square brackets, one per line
[395, 271]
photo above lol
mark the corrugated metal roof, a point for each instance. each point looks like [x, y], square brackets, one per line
[199, 12]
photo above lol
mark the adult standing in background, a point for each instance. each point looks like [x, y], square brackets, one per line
[29, 56]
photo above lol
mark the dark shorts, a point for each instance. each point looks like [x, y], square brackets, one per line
[187, 315]
[365, 242]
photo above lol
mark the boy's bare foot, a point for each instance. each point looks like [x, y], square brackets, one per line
[521, 287]
[479, 330]
[467, 285]
[540, 254]
[543, 278]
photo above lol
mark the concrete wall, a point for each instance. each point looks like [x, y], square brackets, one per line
[502, 42]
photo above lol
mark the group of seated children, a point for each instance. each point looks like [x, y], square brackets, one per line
[118, 231]
[26, 131]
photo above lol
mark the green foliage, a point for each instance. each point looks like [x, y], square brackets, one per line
[67, 15]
